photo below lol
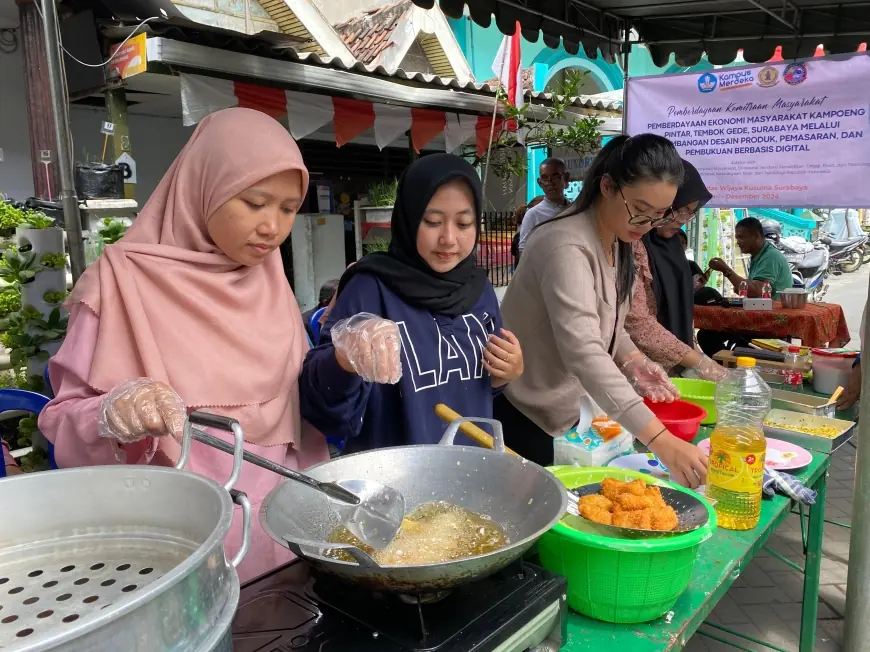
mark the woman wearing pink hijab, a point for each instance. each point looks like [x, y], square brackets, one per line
[191, 310]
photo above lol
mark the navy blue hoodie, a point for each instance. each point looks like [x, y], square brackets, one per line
[441, 363]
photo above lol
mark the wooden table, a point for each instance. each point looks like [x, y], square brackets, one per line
[816, 324]
[721, 559]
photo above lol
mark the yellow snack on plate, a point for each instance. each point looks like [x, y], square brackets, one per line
[829, 432]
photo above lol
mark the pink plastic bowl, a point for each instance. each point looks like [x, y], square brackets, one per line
[681, 418]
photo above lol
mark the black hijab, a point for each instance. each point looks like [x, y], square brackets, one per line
[401, 268]
[671, 274]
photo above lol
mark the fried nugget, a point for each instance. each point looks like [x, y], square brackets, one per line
[611, 488]
[636, 487]
[639, 519]
[596, 513]
[655, 494]
[664, 519]
[596, 500]
[630, 502]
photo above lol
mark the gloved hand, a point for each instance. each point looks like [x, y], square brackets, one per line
[369, 346]
[649, 379]
[709, 369]
[141, 408]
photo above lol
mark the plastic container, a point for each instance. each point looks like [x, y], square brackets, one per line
[831, 369]
[682, 418]
[794, 375]
[620, 580]
[738, 447]
[699, 392]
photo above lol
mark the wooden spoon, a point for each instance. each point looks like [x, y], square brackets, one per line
[835, 396]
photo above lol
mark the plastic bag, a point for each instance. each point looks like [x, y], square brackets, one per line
[99, 181]
[582, 446]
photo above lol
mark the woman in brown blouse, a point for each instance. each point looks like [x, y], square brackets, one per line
[662, 306]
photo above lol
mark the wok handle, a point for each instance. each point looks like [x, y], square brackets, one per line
[241, 498]
[221, 423]
[469, 429]
[453, 429]
[330, 489]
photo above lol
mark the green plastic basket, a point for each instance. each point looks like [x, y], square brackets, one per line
[699, 392]
[620, 580]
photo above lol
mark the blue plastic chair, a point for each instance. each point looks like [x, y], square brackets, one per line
[314, 324]
[19, 399]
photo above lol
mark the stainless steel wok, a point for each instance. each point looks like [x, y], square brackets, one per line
[522, 497]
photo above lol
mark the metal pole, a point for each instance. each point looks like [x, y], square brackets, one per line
[71, 216]
[857, 637]
[626, 50]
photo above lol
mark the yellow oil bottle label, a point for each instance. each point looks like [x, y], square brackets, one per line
[736, 471]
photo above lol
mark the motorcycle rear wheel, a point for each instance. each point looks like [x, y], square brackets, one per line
[853, 261]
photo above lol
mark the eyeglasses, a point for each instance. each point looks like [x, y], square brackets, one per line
[642, 220]
[553, 178]
[683, 215]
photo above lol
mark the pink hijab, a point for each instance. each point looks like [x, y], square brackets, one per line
[174, 308]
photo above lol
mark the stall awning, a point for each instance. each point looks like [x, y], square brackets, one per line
[349, 118]
[687, 29]
[316, 94]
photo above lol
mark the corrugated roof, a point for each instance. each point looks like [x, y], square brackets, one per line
[278, 46]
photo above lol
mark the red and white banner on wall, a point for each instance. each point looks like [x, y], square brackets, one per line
[307, 112]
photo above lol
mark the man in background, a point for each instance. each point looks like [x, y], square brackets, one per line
[519, 216]
[766, 263]
[553, 178]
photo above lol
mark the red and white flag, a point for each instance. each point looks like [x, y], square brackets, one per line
[509, 70]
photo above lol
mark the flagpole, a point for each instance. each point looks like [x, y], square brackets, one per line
[492, 126]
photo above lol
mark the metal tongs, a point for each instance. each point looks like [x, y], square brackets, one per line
[371, 511]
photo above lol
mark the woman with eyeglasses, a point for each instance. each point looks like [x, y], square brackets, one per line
[660, 321]
[567, 304]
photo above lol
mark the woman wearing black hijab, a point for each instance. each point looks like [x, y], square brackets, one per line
[414, 326]
[660, 321]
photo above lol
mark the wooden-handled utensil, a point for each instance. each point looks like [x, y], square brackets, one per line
[469, 429]
[836, 395]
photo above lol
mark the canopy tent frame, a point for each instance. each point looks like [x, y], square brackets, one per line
[717, 27]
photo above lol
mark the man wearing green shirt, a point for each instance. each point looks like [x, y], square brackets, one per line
[767, 262]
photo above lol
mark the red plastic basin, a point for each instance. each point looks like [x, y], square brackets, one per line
[681, 418]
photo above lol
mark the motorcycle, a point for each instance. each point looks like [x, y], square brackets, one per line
[846, 255]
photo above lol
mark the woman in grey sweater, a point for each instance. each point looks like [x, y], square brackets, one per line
[567, 304]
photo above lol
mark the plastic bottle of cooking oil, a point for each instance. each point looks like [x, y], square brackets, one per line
[737, 447]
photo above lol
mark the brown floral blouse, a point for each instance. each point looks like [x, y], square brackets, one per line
[653, 339]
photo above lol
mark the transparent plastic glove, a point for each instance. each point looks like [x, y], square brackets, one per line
[709, 369]
[370, 346]
[141, 408]
[649, 379]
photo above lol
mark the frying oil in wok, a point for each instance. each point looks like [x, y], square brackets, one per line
[434, 532]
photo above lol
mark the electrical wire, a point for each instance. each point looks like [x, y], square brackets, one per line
[107, 61]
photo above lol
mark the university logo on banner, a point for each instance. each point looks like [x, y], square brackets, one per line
[768, 77]
[707, 82]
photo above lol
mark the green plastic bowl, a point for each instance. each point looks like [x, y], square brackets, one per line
[619, 580]
[699, 392]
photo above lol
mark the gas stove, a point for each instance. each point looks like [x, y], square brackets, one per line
[295, 608]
